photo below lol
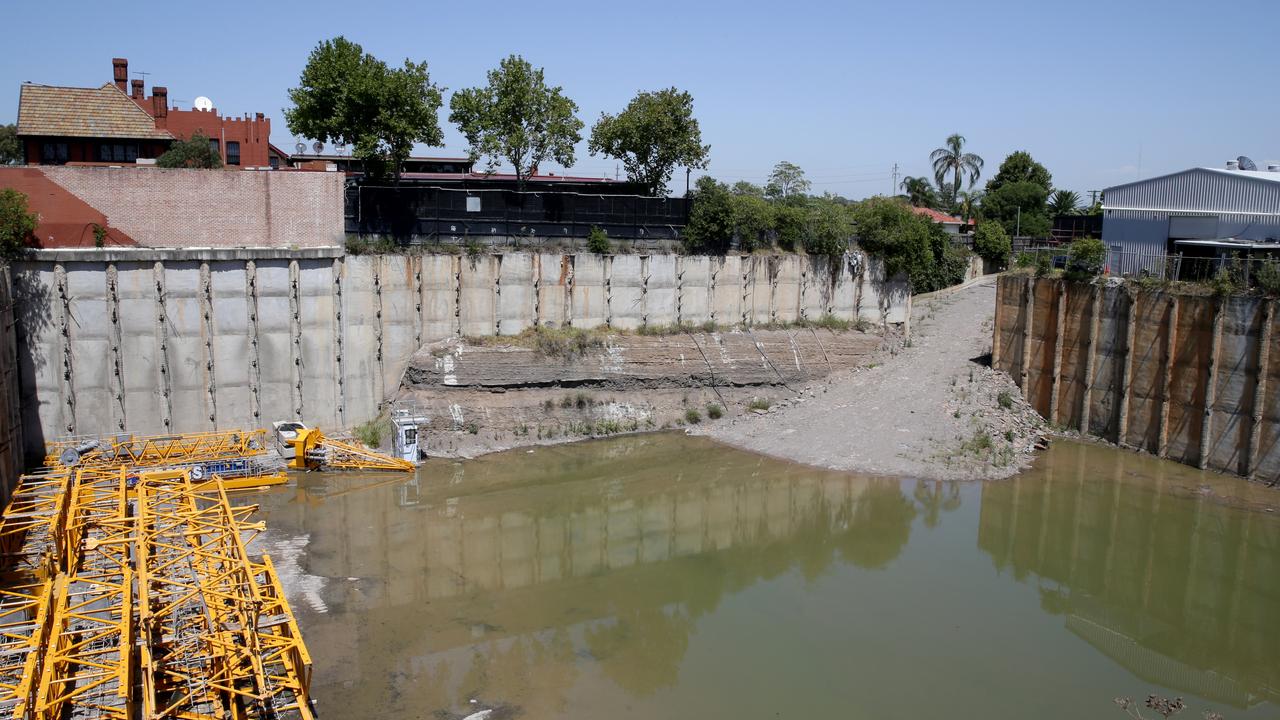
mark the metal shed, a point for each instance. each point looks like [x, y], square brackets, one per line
[1143, 220]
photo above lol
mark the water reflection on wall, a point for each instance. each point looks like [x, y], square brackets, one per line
[509, 574]
[1148, 566]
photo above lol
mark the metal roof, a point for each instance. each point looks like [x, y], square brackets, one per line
[1234, 243]
[1200, 190]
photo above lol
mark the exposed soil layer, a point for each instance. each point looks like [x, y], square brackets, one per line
[494, 396]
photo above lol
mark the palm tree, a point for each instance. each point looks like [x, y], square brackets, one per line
[951, 158]
[1063, 202]
[920, 192]
[967, 204]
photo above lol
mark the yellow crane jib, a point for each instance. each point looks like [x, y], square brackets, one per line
[311, 450]
[152, 450]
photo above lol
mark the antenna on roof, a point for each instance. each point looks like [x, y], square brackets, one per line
[340, 148]
[1246, 163]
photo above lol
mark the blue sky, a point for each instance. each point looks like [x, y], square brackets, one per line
[1100, 92]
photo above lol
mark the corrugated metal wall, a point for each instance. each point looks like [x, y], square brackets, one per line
[1201, 190]
[1137, 215]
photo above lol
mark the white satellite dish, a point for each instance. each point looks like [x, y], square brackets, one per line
[203, 103]
[318, 147]
[300, 147]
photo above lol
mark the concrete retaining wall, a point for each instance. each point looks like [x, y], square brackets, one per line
[1187, 377]
[11, 461]
[160, 340]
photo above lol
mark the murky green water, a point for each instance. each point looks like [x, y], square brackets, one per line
[668, 577]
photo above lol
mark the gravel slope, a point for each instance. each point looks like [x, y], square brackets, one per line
[925, 409]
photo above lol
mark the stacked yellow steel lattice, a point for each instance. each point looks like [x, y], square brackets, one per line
[127, 591]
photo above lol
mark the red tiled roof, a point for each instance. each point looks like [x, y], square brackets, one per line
[938, 216]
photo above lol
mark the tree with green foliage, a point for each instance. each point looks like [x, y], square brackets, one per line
[655, 133]
[952, 159]
[919, 191]
[790, 224]
[517, 118]
[967, 204]
[1020, 207]
[753, 220]
[742, 187]
[1063, 202]
[194, 152]
[711, 221]
[830, 227]
[786, 182]
[1021, 167]
[347, 96]
[17, 223]
[10, 145]
[1086, 259]
[909, 244]
[991, 243]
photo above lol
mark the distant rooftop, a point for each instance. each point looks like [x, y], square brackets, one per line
[332, 157]
[101, 112]
[938, 216]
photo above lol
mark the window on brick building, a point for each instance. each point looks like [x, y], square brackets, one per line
[53, 153]
[233, 152]
[117, 152]
[213, 147]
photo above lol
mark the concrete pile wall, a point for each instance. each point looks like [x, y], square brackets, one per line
[155, 341]
[11, 460]
[1186, 377]
[157, 207]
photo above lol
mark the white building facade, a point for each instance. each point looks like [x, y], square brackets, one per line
[1144, 220]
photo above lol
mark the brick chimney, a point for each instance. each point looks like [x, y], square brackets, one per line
[137, 89]
[120, 72]
[160, 101]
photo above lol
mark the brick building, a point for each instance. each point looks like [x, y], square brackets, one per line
[119, 123]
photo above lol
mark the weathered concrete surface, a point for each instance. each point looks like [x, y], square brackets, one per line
[187, 339]
[1182, 375]
[11, 453]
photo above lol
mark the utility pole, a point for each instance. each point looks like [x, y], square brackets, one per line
[686, 181]
[894, 190]
[1017, 229]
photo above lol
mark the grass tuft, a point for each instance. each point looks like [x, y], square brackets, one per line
[373, 432]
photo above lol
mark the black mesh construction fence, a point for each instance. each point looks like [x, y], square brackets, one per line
[417, 214]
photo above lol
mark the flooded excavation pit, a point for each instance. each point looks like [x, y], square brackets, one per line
[664, 576]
